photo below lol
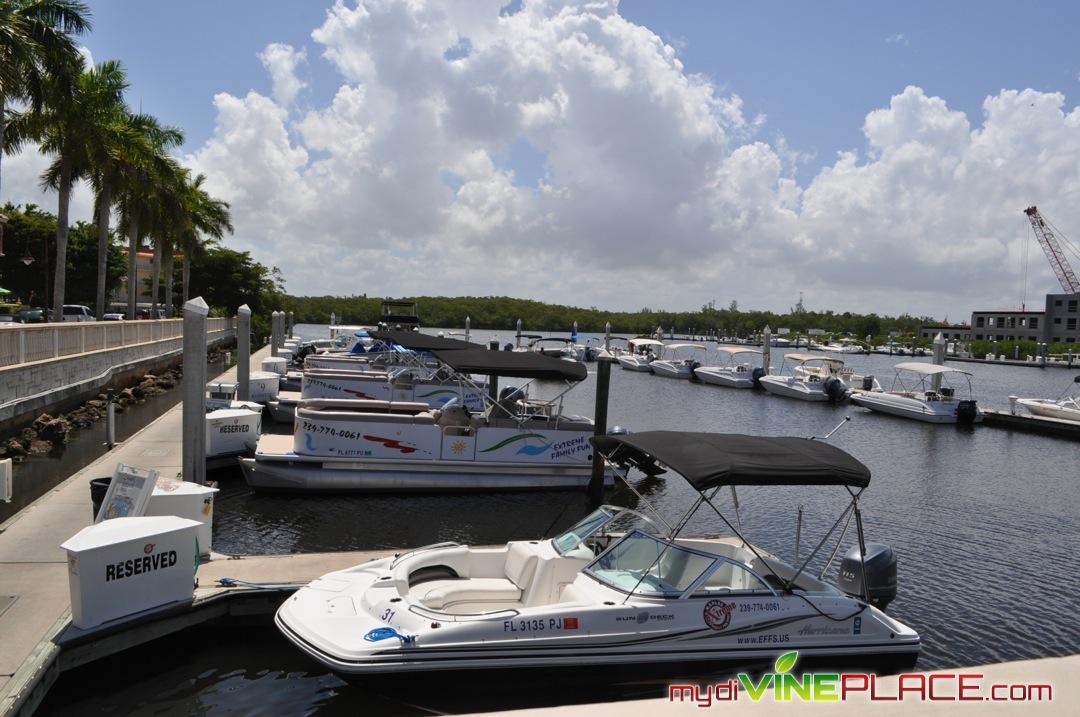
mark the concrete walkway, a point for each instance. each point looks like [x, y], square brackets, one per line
[33, 568]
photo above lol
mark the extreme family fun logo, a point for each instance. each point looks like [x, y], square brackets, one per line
[782, 685]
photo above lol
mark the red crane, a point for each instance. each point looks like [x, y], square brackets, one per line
[1053, 251]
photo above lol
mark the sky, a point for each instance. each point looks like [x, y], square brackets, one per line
[872, 156]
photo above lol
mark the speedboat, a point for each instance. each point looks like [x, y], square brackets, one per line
[918, 393]
[361, 445]
[817, 378]
[1065, 407]
[640, 354]
[845, 346]
[732, 373]
[556, 347]
[678, 365]
[619, 588]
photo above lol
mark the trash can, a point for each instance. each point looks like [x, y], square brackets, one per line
[98, 488]
[125, 566]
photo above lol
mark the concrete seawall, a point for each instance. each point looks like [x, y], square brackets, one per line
[49, 365]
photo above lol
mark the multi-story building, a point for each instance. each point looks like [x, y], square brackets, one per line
[952, 332]
[1062, 319]
[1007, 325]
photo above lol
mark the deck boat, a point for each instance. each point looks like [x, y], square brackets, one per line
[593, 596]
[359, 445]
[1065, 407]
[918, 393]
[640, 354]
[731, 373]
[817, 378]
[680, 364]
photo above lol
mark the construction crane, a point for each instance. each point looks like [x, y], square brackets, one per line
[1054, 253]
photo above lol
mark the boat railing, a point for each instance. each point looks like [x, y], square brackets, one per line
[424, 548]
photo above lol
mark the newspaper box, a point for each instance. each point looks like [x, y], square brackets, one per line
[185, 499]
[124, 566]
[264, 385]
[275, 364]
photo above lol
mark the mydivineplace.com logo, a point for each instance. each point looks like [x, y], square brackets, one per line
[781, 685]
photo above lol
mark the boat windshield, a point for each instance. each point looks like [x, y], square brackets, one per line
[645, 565]
[577, 534]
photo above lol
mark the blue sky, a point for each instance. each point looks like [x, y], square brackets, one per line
[873, 156]
[813, 69]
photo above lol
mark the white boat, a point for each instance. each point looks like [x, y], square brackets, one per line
[640, 354]
[679, 364]
[1065, 407]
[358, 445]
[918, 393]
[845, 346]
[593, 597]
[561, 348]
[733, 373]
[812, 378]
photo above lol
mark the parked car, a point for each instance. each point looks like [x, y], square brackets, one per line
[113, 317]
[7, 319]
[77, 312]
[31, 316]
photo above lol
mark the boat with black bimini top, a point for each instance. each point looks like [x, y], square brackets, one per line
[639, 594]
[517, 442]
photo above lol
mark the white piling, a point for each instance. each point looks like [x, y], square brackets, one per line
[275, 332]
[939, 359]
[468, 325]
[766, 350]
[333, 318]
[194, 408]
[607, 336]
[517, 341]
[243, 353]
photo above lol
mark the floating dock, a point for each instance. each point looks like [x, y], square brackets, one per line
[1031, 424]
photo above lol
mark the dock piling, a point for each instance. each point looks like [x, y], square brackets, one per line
[517, 339]
[607, 336]
[243, 353]
[292, 323]
[194, 409]
[939, 359]
[273, 333]
[603, 384]
[766, 352]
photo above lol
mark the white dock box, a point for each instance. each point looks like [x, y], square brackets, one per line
[275, 364]
[124, 566]
[185, 499]
[264, 385]
[232, 431]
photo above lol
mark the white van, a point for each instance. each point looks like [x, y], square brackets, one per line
[77, 312]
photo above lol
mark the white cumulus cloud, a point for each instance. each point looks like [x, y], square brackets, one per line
[655, 187]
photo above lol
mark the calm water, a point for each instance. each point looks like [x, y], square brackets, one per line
[985, 523]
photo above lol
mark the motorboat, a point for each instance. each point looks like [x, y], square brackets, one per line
[518, 441]
[557, 347]
[640, 354]
[679, 363]
[845, 346]
[816, 378]
[399, 316]
[1065, 407]
[620, 588]
[918, 392]
[733, 372]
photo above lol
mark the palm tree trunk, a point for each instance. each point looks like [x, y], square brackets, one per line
[3, 126]
[169, 284]
[104, 206]
[187, 275]
[155, 281]
[60, 277]
[133, 267]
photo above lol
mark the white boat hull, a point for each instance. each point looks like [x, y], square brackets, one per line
[671, 369]
[788, 387]
[1050, 409]
[635, 363]
[906, 407]
[717, 376]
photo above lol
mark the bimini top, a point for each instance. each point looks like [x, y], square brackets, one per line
[927, 369]
[646, 342]
[802, 358]
[421, 342]
[706, 460]
[515, 364]
[736, 350]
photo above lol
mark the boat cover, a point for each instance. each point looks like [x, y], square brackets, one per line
[514, 364]
[422, 342]
[706, 460]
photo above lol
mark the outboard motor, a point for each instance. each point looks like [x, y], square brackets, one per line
[880, 574]
[966, 412]
[508, 346]
[756, 375]
[493, 345]
[693, 366]
[868, 383]
[508, 396]
[835, 389]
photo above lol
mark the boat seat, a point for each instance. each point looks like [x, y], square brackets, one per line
[442, 594]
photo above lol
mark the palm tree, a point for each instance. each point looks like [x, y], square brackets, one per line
[35, 43]
[205, 217]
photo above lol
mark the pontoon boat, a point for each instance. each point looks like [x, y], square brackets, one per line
[918, 393]
[590, 597]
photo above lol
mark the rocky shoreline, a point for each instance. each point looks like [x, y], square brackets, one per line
[49, 433]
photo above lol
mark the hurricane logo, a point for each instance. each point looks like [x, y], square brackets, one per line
[148, 548]
[717, 614]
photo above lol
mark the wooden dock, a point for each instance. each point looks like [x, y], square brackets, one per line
[1031, 424]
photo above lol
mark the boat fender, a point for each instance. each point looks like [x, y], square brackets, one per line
[756, 375]
[835, 389]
